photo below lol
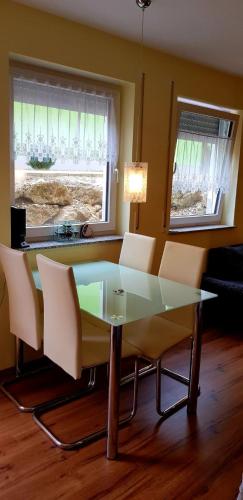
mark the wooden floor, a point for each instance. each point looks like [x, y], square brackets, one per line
[180, 458]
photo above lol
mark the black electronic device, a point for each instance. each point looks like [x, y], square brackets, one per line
[18, 228]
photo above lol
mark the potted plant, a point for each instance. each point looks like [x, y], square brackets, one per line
[44, 164]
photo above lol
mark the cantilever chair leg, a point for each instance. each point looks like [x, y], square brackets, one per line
[21, 375]
[84, 441]
[135, 395]
[171, 409]
[176, 376]
[19, 357]
[149, 369]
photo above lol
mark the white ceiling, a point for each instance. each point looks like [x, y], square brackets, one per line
[206, 31]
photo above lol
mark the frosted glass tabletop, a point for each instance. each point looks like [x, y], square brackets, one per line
[120, 295]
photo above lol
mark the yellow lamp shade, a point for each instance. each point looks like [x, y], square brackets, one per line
[135, 182]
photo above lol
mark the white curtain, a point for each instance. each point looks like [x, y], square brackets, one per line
[65, 121]
[202, 163]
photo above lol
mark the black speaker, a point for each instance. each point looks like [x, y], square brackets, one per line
[18, 228]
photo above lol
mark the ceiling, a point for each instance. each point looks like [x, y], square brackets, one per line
[206, 31]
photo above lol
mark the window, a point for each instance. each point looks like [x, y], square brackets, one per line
[202, 167]
[65, 151]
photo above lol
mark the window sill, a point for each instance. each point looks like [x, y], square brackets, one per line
[41, 245]
[193, 229]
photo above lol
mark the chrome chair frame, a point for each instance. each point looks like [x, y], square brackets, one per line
[181, 402]
[143, 372]
[84, 441]
[152, 368]
[22, 375]
[192, 382]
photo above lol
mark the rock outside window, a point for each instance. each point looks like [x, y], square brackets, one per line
[65, 136]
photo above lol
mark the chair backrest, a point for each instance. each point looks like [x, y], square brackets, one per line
[24, 309]
[62, 318]
[183, 263]
[137, 252]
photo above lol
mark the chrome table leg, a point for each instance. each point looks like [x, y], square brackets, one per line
[114, 392]
[195, 361]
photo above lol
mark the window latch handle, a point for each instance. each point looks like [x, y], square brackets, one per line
[117, 174]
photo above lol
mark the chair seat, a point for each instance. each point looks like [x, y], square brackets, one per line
[151, 336]
[97, 322]
[154, 336]
[96, 345]
[183, 316]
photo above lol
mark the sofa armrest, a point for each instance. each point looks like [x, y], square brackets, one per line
[225, 289]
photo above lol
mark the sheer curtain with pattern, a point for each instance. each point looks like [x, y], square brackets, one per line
[65, 147]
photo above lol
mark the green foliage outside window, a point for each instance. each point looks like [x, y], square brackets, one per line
[45, 164]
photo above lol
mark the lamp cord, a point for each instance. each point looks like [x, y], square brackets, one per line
[137, 156]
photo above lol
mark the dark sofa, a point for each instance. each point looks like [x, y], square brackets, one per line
[224, 276]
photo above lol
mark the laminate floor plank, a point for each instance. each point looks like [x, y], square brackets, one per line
[182, 458]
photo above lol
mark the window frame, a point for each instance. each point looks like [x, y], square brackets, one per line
[46, 232]
[217, 112]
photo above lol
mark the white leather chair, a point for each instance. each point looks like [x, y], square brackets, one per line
[70, 342]
[25, 311]
[185, 264]
[137, 252]
[154, 336]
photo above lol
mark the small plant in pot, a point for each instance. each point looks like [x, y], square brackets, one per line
[44, 164]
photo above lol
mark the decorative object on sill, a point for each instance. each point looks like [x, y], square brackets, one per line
[86, 231]
[135, 173]
[18, 228]
[44, 164]
[65, 231]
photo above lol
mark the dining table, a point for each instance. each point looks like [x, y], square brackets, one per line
[120, 295]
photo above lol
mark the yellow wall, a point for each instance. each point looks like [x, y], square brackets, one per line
[33, 34]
